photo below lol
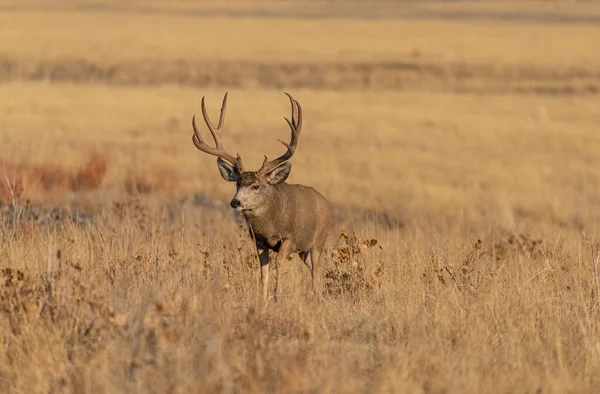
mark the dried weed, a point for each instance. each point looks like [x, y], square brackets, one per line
[351, 274]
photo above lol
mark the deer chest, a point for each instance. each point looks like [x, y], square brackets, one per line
[267, 243]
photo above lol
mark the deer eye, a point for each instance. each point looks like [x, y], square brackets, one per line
[255, 187]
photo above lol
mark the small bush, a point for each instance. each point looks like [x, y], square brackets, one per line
[350, 274]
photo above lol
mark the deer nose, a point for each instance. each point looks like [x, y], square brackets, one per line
[235, 203]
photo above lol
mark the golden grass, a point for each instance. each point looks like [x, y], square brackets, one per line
[486, 131]
[106, 37]
[130, 304]
[476, 158]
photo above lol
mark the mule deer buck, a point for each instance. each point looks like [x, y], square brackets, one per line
[281, 217]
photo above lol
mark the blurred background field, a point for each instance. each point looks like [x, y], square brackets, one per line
[429, 125]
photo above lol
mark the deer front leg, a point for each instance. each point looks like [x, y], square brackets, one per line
[287, 247]
[304, 257]
[263, 257]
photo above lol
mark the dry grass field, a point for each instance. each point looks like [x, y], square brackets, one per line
[462, 136]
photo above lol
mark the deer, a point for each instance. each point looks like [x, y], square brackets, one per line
[281, 218]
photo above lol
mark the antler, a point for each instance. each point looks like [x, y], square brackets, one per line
[295, 127]
[216, 134]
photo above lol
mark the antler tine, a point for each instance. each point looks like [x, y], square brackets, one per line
[295, 128]
[296, 111]
[216, 134]
[218, 150]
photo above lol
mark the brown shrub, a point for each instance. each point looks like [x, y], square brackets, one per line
[349, 274]
[520, 244]
[92, 175]
[163, 181]
[466, 276]
[11, 188]
[50, 177]
[17, 177]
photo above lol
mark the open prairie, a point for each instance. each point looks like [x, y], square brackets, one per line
[458, 142]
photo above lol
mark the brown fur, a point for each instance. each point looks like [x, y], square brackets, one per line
[282, 218]
[296, 218]
[297, 213]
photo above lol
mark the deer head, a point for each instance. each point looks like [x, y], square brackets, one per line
[254, 188]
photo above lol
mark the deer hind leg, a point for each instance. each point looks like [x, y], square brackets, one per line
[315, 257]
[263, 257]
[287, 247]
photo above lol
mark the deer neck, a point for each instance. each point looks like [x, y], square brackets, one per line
[265, 218]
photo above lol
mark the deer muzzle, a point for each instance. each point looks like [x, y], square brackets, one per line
[235, 203]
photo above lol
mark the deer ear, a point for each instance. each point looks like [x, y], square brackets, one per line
[229, 172]
[279, 174]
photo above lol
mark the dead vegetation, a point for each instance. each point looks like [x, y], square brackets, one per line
[351, 275]
[144, 182]
[20, 177]
[409, 73]
[469, 257]
[131, 299]
[521, 244]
